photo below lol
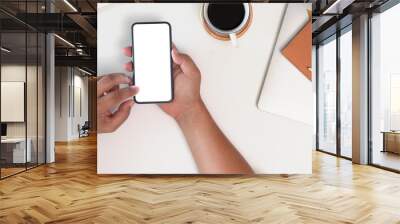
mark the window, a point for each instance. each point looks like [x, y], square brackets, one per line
[334, 106]
[385, 89]
[395, 102]
[327, 97]
[346, 93]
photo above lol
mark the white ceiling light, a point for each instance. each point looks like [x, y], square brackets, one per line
[5, 50]
[70, 5]
[65, 41]
[337, 7]
[84, 71]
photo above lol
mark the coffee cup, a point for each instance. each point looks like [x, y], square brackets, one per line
[226, 21]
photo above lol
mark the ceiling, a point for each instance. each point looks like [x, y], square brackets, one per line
[76, 25]
[329, 16]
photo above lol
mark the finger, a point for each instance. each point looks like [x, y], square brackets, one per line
[121, 114]
[174, 65]
[106, 83]
[114, 88]
[176, 70]
[184, 61]
[128, 66]
[114, 98]
[127, 51]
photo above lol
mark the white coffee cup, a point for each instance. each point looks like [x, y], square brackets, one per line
[232, 34]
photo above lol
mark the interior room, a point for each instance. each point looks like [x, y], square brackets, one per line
[22, 101]
[25, 88]
[48, 150]
[334, 70]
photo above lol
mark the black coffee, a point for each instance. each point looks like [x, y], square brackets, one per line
[226, 16]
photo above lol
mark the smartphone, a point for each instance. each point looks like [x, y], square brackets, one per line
[152, 62]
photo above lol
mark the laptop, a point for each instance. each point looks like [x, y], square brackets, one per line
[286, 90]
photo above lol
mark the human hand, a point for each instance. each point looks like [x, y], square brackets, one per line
[186, 84]
[109, 97]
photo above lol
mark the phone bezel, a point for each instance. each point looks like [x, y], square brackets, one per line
[133, 61]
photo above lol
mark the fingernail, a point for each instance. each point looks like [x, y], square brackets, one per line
[134, 88]
[131, 103]
[174, 54]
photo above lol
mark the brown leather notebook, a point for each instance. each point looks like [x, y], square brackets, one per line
[298, 51]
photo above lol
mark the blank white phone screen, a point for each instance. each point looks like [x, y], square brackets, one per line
[152, 62]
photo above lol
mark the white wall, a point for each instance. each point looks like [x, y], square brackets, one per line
[67, 116]
[16, 73]
[80, 84]
[13, 74]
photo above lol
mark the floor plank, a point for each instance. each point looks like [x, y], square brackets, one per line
[70, 191]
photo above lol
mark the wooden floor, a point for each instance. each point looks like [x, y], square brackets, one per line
[69, 191]
[5, 172]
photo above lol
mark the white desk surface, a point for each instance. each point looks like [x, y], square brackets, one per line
[13, 140]
[151, 142]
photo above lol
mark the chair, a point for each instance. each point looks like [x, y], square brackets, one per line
[84, 130]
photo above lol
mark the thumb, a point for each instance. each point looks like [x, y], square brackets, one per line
[185, 62]
[121, 114]
[176, 56]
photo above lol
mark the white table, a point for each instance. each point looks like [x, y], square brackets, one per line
[18, 149]
[151, 142]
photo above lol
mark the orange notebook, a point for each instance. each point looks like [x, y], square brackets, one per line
[298, 51]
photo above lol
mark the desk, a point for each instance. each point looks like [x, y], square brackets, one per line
[150, 142]
[391, 141]
[13, 150]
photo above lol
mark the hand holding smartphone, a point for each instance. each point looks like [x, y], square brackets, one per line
[152, 62]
